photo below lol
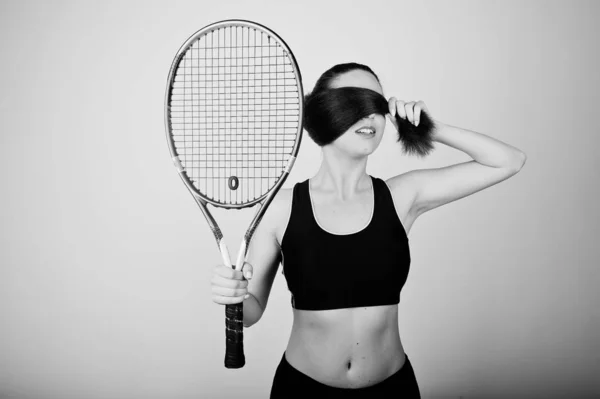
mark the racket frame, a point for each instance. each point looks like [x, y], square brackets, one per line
[203, 200]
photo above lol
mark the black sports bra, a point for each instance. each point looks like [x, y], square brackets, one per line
[332, 271]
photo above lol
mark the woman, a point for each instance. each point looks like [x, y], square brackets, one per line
[342, 239]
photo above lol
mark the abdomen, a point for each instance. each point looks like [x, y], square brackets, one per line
[349, 348]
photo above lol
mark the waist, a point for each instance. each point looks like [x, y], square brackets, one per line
[350, 348]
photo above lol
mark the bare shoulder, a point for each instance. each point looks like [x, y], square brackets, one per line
[278, 213]
[404, 191]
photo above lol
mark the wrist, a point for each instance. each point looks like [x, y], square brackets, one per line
[438, 126]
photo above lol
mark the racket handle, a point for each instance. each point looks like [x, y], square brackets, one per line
[234, 333]
[234, 323]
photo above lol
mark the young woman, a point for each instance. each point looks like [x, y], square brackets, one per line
[342, 238]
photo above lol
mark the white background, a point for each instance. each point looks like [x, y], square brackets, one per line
[105, 259]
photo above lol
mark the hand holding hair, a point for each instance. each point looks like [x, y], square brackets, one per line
[329, 113]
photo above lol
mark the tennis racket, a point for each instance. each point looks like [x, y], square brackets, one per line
[233, 116]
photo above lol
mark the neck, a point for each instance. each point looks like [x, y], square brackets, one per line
[340, 175]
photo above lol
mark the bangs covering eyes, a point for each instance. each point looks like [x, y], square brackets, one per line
[330, 113]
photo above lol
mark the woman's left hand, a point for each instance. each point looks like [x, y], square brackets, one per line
[410, 111]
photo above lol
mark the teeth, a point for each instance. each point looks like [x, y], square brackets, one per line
[366, 131]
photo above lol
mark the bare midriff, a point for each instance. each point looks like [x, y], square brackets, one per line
[346, 348]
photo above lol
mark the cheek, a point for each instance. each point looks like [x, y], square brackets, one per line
[380, 120]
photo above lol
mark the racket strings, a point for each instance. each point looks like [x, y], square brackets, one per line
[235, 113]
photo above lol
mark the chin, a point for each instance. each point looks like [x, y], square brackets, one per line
[369, 151]
[366, 150]
[369, 146]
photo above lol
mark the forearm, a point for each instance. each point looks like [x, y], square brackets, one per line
[252, 311]
[482, 148]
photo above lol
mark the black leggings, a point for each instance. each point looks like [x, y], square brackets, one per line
[290, 383]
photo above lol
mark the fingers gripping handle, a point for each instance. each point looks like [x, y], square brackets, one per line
[234, 317]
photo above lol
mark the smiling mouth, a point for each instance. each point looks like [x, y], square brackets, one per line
[367, 131]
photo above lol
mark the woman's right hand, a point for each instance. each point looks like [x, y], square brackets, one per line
[230, 286]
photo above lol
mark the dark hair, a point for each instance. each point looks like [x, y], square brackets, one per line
[329, 75]
[328, 112]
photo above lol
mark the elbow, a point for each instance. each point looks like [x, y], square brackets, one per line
[519, 161]
[250, 321]
[248, 324]
[253, 311]
[523, 159]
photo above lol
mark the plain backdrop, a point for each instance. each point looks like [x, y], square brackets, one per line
[105, 259]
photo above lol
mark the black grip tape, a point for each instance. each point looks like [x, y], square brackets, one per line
[234, 333]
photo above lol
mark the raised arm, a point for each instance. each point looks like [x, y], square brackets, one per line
[493, 161]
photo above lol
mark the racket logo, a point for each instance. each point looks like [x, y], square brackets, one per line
[233, 182]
